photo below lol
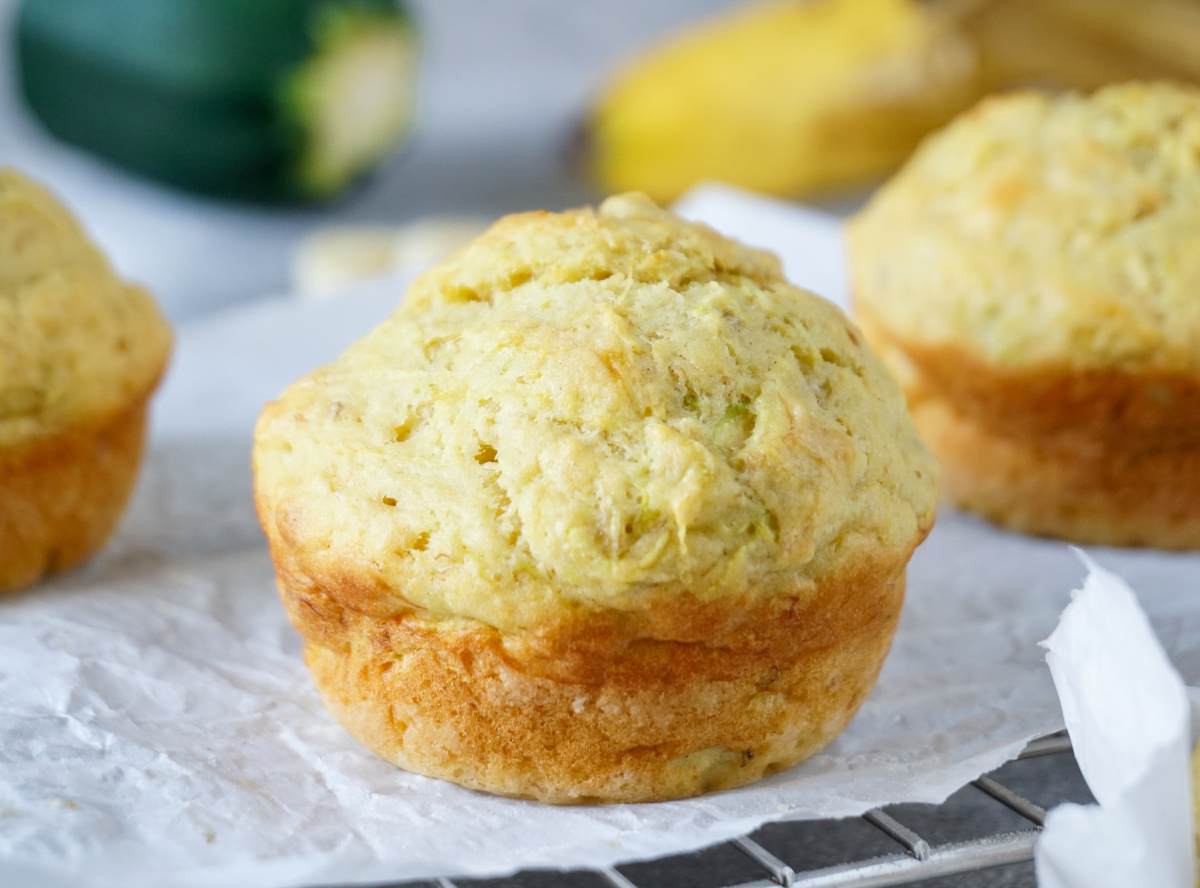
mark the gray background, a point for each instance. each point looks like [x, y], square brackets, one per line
[502, 85]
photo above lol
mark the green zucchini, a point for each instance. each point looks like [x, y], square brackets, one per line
[267, 100]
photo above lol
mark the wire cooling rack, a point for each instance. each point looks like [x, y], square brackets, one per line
[914, 858]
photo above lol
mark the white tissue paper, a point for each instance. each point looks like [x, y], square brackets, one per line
[157, 727]
[1129, 716]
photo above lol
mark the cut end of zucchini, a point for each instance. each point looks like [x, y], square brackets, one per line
[353, 101]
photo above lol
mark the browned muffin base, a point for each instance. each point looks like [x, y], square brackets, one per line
[1102, 456]
[1132, 493]
[631, 720]
[61, 499]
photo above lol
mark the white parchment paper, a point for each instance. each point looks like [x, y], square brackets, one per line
[1130, 721]
[158, 729]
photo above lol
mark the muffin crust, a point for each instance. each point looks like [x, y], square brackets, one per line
[1032, 279]
[597, 457]
[1045, 232]
[80, 353]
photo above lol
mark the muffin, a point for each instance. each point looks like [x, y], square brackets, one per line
[1033, 276]
[80, 354]
[606, 511]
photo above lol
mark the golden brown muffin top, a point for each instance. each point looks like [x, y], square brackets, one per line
[76, 344]
[594, 408]
[1040, 230]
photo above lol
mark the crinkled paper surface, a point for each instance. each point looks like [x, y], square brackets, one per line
[157, 727]
[1130, 721]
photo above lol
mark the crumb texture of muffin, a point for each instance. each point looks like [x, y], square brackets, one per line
[607, 510]
[1032, 277]
[80, 354]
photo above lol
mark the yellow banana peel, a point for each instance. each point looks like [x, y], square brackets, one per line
[783, 98]
[797, 97]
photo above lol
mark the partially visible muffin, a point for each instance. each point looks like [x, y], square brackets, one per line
[1195, 781]
[80, 354]
[606, 511]
[1033, 276]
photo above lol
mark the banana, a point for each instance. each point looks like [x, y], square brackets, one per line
[783, 98]
[792, 98]
[334, 258]
[1084, 44]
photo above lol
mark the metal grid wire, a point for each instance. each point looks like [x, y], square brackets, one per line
[915, 860]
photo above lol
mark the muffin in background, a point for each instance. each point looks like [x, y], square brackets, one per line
[1033, 277]
[80, 354]
[606, 511]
